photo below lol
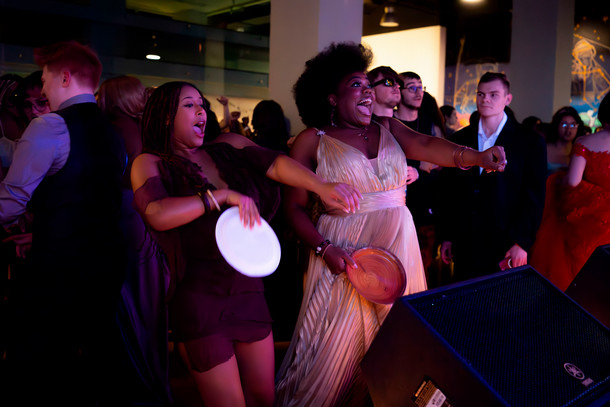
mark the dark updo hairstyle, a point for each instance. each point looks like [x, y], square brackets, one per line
[158, 118]
[322, 76]
[270, 125]
[553, 134]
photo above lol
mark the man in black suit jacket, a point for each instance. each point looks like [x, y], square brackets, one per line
[488, 218]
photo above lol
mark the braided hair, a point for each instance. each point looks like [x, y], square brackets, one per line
[157, 132]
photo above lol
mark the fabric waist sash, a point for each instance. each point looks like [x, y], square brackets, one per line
[374, 201]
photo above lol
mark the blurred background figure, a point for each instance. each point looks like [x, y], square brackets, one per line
[212, 126]
[235, 125]
[12, 124]
[141, 315]
[419, 111]
[531, 123]
[451, 119]
[566, 125]
[230, 122]
[29, 104]
[29, 99]
[245, 125]
[284, 288]
[429, 107]
[535, 124]
[270, 126]
[122, 99]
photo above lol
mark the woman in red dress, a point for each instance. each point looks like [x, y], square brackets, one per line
[576, 216]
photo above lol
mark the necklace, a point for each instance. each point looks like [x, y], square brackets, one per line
[361, 133]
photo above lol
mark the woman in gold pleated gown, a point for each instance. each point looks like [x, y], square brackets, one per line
[336, 325]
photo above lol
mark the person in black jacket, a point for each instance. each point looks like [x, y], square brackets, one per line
[492, 218]
[66, 172]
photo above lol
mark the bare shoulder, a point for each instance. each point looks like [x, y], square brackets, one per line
[307, 139]
[305, 146]
[145, 166]
[146, 159]
[599, 141]
[234, 139]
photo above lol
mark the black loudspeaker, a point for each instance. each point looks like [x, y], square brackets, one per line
[508, 339]
[591, 287]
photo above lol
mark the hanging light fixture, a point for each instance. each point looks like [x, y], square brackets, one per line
[153, 53]
[388, 19]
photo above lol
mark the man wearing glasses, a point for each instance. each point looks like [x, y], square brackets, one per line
[386, 84]
[421, 195]
[408, 112]
[488, 220]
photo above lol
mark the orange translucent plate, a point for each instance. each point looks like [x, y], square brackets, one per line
[380, 276]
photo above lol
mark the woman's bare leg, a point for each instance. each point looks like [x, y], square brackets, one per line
[256, 362]
[219, 386]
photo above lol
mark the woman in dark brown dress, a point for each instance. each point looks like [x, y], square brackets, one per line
[218, 316]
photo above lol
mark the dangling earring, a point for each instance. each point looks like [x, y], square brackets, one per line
[332, 116]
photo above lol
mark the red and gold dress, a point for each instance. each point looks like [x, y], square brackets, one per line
[576, 220]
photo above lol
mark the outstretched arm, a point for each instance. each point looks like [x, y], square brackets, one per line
[291, 172]
[442, 152]
[336, 195]
[226, 116]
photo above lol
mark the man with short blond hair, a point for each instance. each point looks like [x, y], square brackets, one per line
[509, 203]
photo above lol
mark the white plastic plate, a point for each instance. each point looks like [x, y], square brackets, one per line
[253, 252]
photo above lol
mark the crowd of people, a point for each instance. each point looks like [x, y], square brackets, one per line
[110, 193]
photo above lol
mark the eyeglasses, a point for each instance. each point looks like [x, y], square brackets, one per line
[388, 82]
[415, 89]
[570, 125]
[38, 104]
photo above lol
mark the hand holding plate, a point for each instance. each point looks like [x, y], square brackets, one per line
[254, 252]
[337, 260]
[248, 211]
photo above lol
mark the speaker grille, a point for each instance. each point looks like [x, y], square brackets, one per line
[518, 332]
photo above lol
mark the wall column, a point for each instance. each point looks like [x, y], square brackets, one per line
[299, 30]
[541, 57]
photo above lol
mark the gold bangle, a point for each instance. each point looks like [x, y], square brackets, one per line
[204, 199]
[458, 158]
[214, 201]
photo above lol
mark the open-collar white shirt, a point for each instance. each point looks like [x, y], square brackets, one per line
[486, 142]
